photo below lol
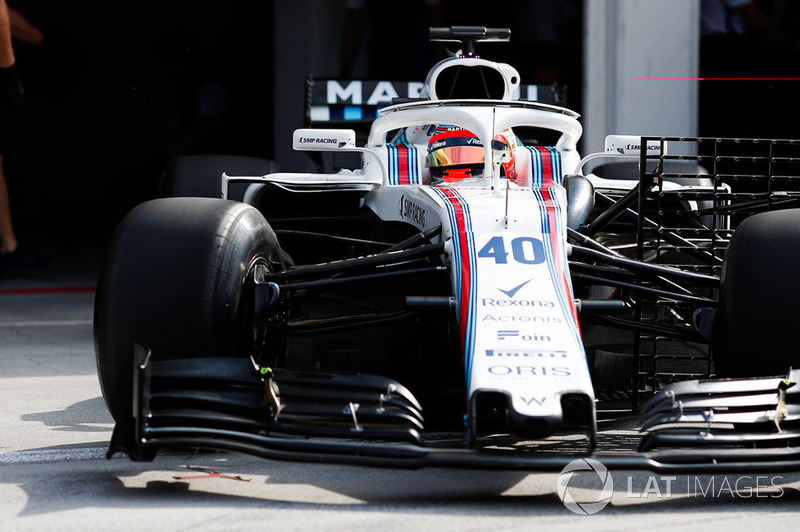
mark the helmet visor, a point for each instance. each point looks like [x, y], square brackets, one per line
[461, 151]
[456, 155]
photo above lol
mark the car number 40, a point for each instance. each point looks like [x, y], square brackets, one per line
[524, 250]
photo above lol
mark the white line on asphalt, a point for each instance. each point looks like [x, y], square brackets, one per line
[63, 323]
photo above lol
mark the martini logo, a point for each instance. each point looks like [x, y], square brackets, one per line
[357, 92]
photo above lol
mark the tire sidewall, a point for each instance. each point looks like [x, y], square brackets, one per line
[755, 328]
[175, 281]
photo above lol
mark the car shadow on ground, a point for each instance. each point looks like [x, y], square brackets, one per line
[209, 482]
[90, 415]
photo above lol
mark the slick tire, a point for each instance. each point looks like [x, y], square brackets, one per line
[177, 280]
[200, 175]
[756, 325]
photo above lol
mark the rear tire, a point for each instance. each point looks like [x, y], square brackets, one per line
[756, 326]
[176, 280]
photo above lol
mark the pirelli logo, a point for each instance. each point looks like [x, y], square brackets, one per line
[526, 354]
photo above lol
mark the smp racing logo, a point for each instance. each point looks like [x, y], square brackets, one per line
[318, 140]
[653, 147]
[411, 211]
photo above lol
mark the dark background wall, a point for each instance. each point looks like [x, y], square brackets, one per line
[117, 83]
[113, 88]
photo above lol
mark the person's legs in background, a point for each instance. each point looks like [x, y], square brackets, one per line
[8, 240]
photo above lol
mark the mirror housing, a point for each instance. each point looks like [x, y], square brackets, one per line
[323, 139]
[632, 145]
[580, 200]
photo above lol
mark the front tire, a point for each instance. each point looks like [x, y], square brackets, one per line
[175, 279]
[756, 330]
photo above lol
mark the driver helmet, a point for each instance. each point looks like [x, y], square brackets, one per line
[455, 154]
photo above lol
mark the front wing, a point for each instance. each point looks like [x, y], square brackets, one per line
[373, 421]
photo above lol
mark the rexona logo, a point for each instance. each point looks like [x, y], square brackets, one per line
[512, 301]
[511, 292]
[598, 477]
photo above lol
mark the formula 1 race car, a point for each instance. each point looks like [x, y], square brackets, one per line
[468, 297]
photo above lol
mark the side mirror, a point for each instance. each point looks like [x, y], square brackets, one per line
[323, 139]
[580, 200]
[632, 145]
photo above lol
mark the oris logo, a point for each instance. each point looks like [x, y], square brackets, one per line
[529, 371]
